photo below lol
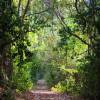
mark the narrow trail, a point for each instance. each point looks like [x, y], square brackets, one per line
[43, 93]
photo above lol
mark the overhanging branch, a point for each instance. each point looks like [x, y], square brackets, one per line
[68, 30]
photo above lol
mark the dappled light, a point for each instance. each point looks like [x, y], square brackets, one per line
[49, 50]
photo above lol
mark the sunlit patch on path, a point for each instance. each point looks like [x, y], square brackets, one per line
[46, 95]
[43, 93]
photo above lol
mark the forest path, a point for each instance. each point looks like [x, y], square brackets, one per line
[41, 85]
[43, 93]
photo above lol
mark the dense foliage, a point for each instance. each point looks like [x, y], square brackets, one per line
[55, 40]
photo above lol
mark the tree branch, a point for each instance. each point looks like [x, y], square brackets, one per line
[19, 3]
[68, 30]
[40, 12]
[26, 8]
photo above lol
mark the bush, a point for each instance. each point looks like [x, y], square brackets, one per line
[70, 84]
[53, 75]
[21, 77]
[90, 79]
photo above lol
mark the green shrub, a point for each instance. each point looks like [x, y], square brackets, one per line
[21, 77]
[90, 79]
[70, 84]
[53, 75]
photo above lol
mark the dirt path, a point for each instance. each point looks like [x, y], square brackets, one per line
[42, 93]
[45, 95]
